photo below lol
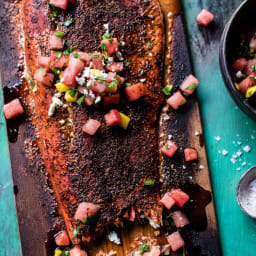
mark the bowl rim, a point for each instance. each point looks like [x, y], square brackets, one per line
[237, 97]
[238, 190]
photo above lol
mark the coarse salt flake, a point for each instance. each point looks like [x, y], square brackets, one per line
[224, 152]
[197, 133]
[217, 138]
[246, 148]
[244, 163]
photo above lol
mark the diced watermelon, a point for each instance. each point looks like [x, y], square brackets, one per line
[113, 117]
[76, 251]
[85, 210]
[154, 251]
[97, 86]
[88, 100]
[176, 241]
[252, 43]
[63, 4]
[55, 43]
[136, 91]
[180, 219]
[189, 84]
[115, 67]
[112, 76]
[176, 100]
[75, 66]
[167, 201]
[111, 45]
[43, 77]
[62, 239]
[43, 61]
[245, 84]
[190, 154]
[169, 148]
[179, 197]
[97, 61]
[58, 62]
[205, 17]
[13, 109]
[249, 68]
[132, 214]
[112, 99]
[239, 64]
[91, 126]
[85, 57]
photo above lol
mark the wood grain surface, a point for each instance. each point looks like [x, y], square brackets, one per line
[208, 50]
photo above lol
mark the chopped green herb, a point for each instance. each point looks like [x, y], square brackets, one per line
[65, 252]
[95, 56]
[101, 79]
[169, 216]
[191, 87]
[126, 63]
[72, 93]
[106, 36]
[149, 182]
[150, 44]
[103, 47]
[68, 51]
[79, 102]
[77, 231]
[64, 41]
[254, 67]
[184, 253]
[144, 248]
[254, 37]
[76, 55]
[253, 78]
[42, 68]
[56, 71]
[110, 40]
[167, 90]
[57, 54]
[31, 83]
[182, 102]
[128, 84]
[167, 146]
[54, 12]
[60, 34]
[112, 84]
[83, 196]
[68, 22]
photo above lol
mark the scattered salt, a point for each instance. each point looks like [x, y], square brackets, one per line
[113, 237]
[237, 135]
[239, 153]
[219, 151]
[246, 149]
[238, 169]
[197, 133]
[224, 152]
[233, 160]
[239, 142]
[252, 137]
[201, 167]
[169, 137]
[244, 163]
[184, 166]
[217, 138]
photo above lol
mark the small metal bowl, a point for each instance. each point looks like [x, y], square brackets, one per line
[242, 192]
[242, 19]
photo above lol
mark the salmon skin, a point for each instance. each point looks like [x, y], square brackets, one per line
[109, 168]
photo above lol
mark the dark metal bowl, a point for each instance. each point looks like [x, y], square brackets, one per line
[242, 191]
[242, 19]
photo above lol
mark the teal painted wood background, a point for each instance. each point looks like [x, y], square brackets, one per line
[220, 117]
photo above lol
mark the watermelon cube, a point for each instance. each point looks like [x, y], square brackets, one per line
[205, 17]
[115, 67]
[180, 219]
[190, 154]
[179, 197]
[62, 239]
[110, 46]
[249, 67]
[44, 62]
[13, 109]
[43, 77]
[112, 99]
[136, 91]
[97, 61]
[85, 210]
[77, 251]
[58, 62]
[167, 201]
[252, 43]
[91, 126]
[62, 4]
[113, 118]
[239, 64]
[55, 43]
[176, 241]
[176, 100]
[248, 82]
[189, 84]
[169, 148]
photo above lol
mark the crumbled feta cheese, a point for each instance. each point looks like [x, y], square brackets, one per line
[169, 15]
[184, 167]
[153, 224]
[197, 133]
[246, 148]
[58, 94]
[169, 137]
[91, 94]
[35, 88]
[56, 101]
[239, 74]
[80, 80]
[51, 110]
[201, 167]
[62, 122]
[113, 237]
[97, 100]
[166, 117]
[106, 26]
[110, 59]
[143, 80]
[119, 56]
[224, 152]
[123, 43]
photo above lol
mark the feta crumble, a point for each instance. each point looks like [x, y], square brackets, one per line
[113, 237]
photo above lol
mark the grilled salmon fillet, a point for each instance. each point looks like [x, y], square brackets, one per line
[108, 169]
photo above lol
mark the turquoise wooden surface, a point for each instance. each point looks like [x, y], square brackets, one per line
[220, 117]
